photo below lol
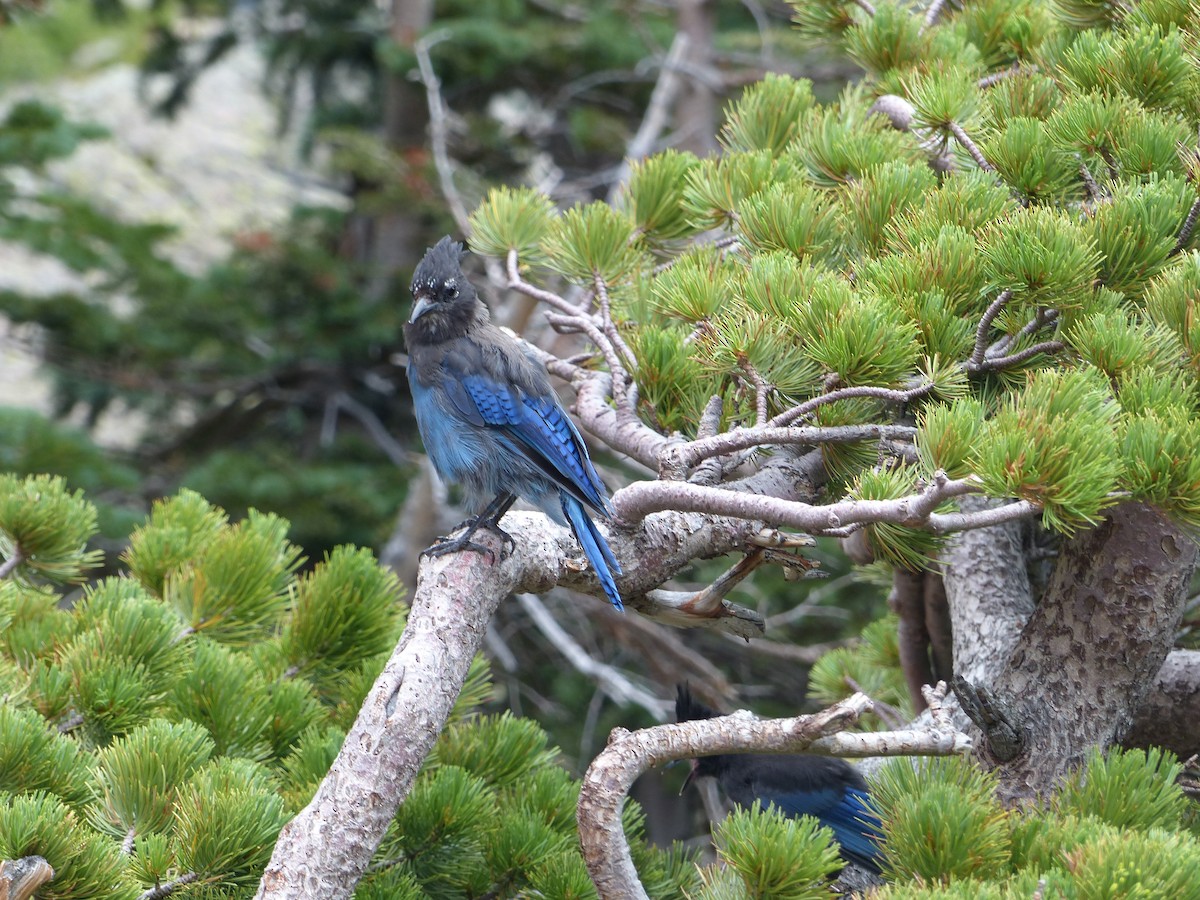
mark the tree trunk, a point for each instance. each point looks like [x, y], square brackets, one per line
[697, 108]
[324, 851]
[1089, 654]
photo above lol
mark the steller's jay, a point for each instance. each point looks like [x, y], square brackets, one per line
[490, 419]
[829, 789]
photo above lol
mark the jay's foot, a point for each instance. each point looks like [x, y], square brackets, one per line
[463, 541]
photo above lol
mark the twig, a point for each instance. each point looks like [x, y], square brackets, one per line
[626, 361]
[985, 324]
[970, 146]
[678, 458]
[1015, 359]
[865, 7]
[948, 523]
[128, 842]
[379, 433]
[9, 565]
[1044, 316]
[636, 501]
[437, 127]
[517, 283]
[931, 14]
[996, 77]
[620, 378]
[611, 681]
[888, 714]
[439, 141]
[657, 112]
[803, 655]
[1093, 190]
[712, 471]
[629, 754]
[676, 608]
[891, 395]
[708, 599]
[1185, 233]
[813, 600]
[761, 390]
[167, 888]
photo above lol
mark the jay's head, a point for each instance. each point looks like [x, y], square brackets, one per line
[444, 301]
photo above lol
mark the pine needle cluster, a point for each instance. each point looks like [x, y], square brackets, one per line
[1115, 829]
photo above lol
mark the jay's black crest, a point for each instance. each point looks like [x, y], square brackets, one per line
[827, 788]
[490, 419]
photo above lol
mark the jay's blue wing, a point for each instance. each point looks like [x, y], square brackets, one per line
[538, 428]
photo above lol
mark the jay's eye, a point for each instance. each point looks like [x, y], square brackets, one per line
[451, 291]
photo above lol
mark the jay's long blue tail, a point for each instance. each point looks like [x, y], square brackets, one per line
[594, 547]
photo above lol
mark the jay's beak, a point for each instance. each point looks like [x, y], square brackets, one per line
[691, 776]
[421, 305]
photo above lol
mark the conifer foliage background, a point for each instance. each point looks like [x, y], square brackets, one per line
[962, 294]
[160, 726]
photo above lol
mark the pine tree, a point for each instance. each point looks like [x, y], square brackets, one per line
[956, 300]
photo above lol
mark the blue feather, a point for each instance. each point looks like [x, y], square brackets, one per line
[594, 547]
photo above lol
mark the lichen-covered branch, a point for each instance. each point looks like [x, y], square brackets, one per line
[642, 498]
[681, 457]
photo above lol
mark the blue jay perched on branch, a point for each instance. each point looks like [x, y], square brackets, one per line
[490, 419]
[829, 789]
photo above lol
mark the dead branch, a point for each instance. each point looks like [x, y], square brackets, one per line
[19, 878]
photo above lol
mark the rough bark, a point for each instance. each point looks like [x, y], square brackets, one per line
[991, 598]
[323, 852]
[988, 592]
[1170, 715]
[1090, 651]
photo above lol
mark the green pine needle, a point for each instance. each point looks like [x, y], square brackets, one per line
[941, 820]
[655, 194]
[48, 526]
[776, 856]
[592, 241]
[908, 548]
[346, 610]
[768, 115]
[1054, 444]
[794, 217]
[138, 776]
[511, 219]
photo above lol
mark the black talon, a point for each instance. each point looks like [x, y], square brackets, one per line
[489, 519]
